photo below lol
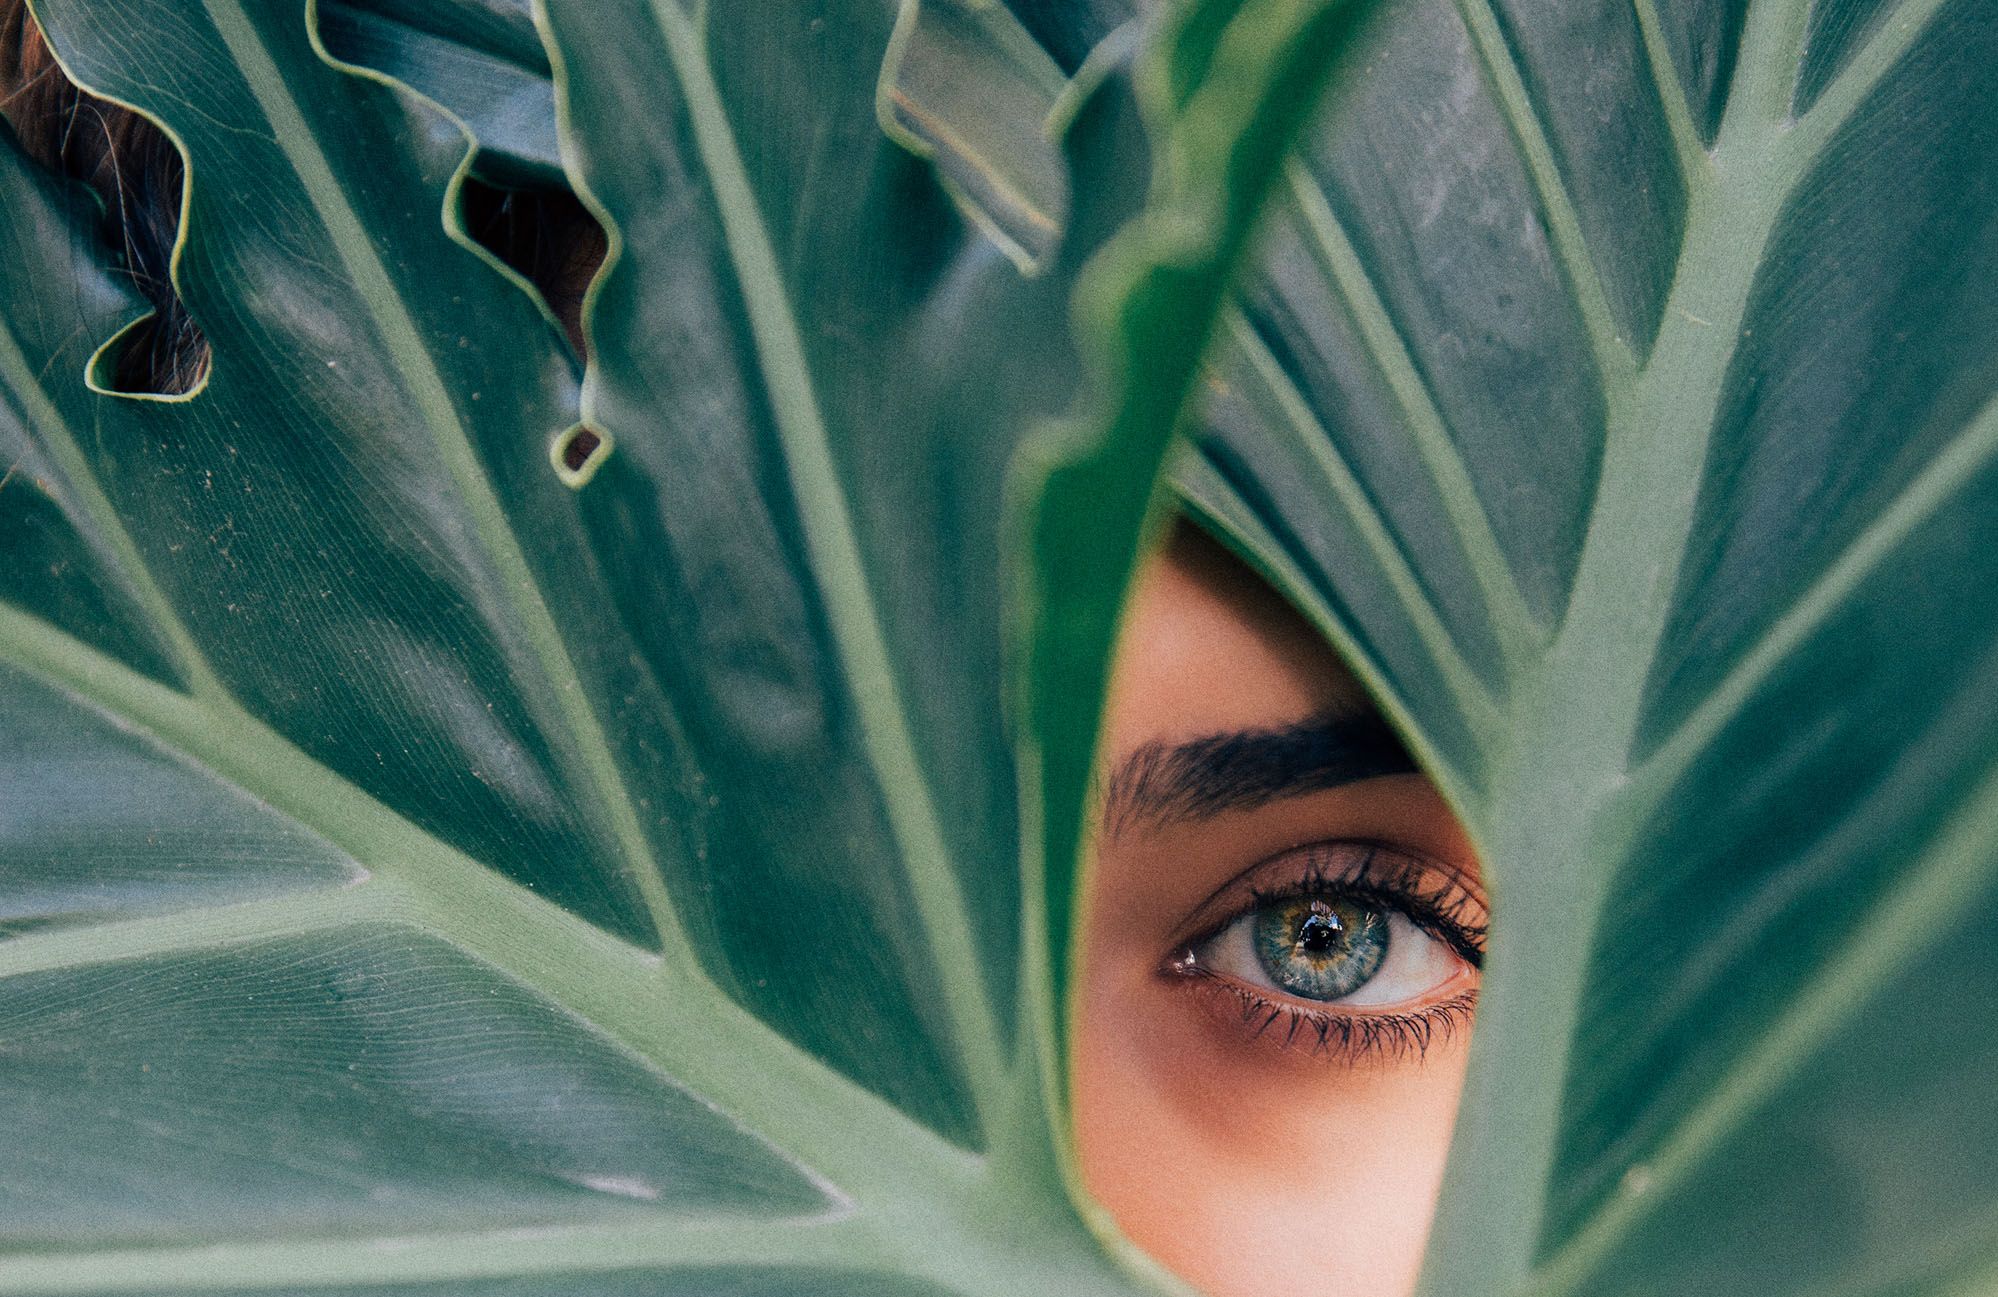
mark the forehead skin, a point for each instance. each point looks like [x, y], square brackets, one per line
[1207, 635]
[1244, 1168]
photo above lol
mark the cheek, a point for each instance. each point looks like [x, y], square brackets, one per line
[1250, 1169]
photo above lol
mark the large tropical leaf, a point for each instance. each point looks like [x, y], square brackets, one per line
[475, 825]
[1620, 387]
[1616, 388]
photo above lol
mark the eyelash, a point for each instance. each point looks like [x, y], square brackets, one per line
[1393, 1037]
[1438, 908]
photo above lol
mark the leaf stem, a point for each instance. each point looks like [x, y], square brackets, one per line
[1570, 801]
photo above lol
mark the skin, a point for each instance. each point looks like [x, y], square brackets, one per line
[1245, 1162]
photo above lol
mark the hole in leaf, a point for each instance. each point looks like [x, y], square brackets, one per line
[544, 233]
[546, 236]
[581, 446]
[577, 454]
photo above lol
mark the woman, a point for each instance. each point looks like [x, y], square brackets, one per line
[1285, 922]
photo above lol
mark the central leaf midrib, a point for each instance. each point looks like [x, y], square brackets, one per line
[1791, 150]
[1781, 158]
[834, 549]
[1569, 806]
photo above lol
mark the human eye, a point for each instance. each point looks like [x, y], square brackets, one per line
[1345, 949]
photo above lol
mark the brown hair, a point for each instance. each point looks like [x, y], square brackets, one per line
[545, 234]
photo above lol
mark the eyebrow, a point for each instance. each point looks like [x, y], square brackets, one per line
[1165, 783]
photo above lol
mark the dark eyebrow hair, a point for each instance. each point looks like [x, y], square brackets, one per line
[1161, 783]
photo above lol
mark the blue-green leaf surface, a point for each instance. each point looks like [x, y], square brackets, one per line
[479, 59]
[1648, 355]
[422, 874]
[430, 870]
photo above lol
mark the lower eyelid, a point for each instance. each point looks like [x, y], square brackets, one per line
[1329, 1031]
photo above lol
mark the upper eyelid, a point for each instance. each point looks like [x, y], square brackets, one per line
[1239, 895]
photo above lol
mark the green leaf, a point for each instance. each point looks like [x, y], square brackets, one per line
[967, 87]
[448, 869]
[480, 59]
[1224, 99]
[425, 870]
[1637, 432]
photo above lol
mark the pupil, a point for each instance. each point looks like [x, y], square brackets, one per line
[1320, 933]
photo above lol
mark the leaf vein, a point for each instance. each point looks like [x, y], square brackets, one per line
[1898, 929]
[704, 1042]
[1470, 524]
[1921, 499]
[834, 547]
[1474, 700]
[1614, 360]
[364, 265]
[60, 440]
[1695, 165]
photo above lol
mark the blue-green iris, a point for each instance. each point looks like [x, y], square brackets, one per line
[1320, 947]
